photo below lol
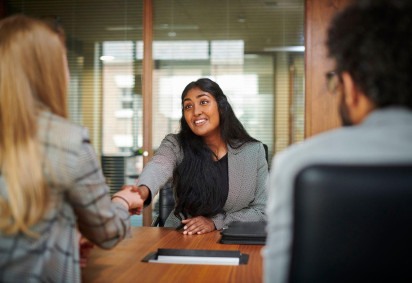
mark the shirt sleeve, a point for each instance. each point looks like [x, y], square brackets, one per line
[99, 220]
[159, 170]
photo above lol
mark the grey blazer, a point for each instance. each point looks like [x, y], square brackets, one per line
[79, 199]
[248, 171]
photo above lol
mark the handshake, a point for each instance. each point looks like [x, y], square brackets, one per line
[132, 197]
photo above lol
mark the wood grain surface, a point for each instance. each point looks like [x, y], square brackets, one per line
[123, 263]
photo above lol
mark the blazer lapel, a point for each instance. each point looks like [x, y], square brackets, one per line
[236, 168]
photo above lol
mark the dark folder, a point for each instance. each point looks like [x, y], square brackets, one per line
[246, 233]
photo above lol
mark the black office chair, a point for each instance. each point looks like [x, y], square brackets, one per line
[166, 204]
[352, 224]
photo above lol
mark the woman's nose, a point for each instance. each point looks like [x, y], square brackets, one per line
[197, 110]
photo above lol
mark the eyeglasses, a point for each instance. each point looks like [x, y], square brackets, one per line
[332, 81]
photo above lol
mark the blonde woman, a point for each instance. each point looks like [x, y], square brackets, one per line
[50, 180]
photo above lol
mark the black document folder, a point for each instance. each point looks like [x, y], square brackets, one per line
[247, 233]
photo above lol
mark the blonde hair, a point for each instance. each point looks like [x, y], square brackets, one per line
[33, 77]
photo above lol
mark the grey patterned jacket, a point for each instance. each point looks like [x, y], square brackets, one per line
[79, 198]
[248, 171]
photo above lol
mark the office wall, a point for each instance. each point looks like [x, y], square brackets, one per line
[321, 108]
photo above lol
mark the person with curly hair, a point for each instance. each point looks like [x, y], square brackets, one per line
[370, 42]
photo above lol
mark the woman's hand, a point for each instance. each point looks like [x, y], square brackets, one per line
[198, 225]
[130, 197]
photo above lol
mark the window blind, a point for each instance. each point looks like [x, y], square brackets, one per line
[253, 49]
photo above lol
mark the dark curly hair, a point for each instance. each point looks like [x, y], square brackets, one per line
[197, 187]
[372, 41]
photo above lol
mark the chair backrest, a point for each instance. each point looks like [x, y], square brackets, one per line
[352, 224]
[166, 205]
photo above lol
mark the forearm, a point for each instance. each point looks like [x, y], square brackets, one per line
[101, 221]
[159, 170]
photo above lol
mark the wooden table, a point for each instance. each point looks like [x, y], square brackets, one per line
[123, 263]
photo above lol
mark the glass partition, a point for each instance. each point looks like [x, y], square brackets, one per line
[253, 49]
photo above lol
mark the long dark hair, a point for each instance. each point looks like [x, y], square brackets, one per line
[197, 186]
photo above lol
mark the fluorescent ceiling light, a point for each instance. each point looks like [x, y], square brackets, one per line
[285, 49]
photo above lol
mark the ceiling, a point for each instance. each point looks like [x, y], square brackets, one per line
[262, 24]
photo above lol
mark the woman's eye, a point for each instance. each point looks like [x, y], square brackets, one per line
[203, 102]
[187, 106]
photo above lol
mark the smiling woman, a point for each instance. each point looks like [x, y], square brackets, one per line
[217, 169]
